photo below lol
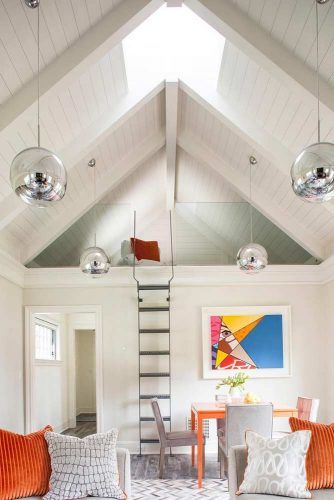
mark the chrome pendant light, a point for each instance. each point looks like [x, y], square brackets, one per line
[312, 173]
[253, 257]
[94, 260]
[37, 175]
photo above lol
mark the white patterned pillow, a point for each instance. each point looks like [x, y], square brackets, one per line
[83, 467]
[277, 466]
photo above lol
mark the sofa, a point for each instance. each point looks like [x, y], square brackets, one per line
[123, 460]
[237, 462]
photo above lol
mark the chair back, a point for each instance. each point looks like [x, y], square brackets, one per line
[308, 408]
[159, 420]
[247, 417]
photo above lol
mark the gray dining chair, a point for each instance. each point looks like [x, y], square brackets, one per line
[220, 428]
[239, 419]
[172, 439]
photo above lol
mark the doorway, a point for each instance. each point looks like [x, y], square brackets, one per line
[63, 351]
[85, 384]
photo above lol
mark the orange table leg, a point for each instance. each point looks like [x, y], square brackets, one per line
[199, 449]
[192, 428]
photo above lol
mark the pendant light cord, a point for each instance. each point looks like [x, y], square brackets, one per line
[250, 201]
[94, 207]
[38, 78]
[318, 79]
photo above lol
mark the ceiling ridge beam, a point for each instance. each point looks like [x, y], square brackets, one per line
[172, 93]
[109, 181]
[253, 40]
[194, 146]
[105, 124]
[84, 52]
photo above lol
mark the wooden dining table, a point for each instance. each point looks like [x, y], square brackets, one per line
[202, 411]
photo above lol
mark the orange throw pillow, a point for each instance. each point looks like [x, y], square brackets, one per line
[25, 466]
[320, 455]
[145, 249]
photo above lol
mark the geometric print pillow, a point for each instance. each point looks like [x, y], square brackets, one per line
[277, 466]
[83, 467]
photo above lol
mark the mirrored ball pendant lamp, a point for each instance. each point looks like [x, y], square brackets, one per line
[37, 175]
[252, 257]
[94, 261]
[312, 173]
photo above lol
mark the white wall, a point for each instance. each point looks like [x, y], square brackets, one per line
[120, 352]
[85, 371]
[50, 387]
[11, 357]
[328, 306]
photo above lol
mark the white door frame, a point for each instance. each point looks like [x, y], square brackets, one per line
[30, 312]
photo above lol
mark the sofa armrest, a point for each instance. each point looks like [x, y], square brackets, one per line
[237, 462]
[124, 470]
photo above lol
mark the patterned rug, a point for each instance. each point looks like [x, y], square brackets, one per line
[185, 489]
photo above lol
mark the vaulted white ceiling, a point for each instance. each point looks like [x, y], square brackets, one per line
[158, 142]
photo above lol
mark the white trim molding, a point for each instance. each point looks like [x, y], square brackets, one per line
[184, 276]
[30, 312]
[11, 269]
[72, 277]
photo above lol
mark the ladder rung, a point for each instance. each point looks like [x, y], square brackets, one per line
[151, 419]
[149, 441]
[154, 353]
[155, 374]
[153, 287]
[154, 330]
[152, 396]
[152, 309]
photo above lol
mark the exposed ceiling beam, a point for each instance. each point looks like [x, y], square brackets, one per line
[174, 3]
[245, 128]
[172, 92]
[107, 182]
[113, 118]
[193, 145]
[88, 49]
[248, 36]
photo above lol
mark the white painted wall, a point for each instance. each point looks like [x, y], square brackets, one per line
[328, 303]
[11, 357]
[120, 352]
[85, 371]
[50, 384]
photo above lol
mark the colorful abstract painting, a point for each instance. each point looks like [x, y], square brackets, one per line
[247, 341]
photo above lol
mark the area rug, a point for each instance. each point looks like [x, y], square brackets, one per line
[185, 489]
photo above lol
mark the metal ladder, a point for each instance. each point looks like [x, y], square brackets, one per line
[142, 309]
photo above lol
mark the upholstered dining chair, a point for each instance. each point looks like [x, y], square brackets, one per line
[239, 419]
[308, 409]
[172, 439]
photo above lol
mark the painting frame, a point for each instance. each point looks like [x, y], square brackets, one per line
[284, 311]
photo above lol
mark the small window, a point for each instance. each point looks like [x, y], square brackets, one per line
[46, 341]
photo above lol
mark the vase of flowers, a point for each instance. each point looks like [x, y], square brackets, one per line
[236, 385]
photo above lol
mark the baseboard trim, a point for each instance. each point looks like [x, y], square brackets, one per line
[85, 410]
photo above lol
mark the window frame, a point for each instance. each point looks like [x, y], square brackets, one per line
[55, 327]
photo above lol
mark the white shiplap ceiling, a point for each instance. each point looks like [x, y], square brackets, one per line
[254, 107]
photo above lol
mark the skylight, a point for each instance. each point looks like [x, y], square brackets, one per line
[173, 42]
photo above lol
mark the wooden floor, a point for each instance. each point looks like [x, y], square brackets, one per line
[86, 425]
[147, 466]
[177, 467]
